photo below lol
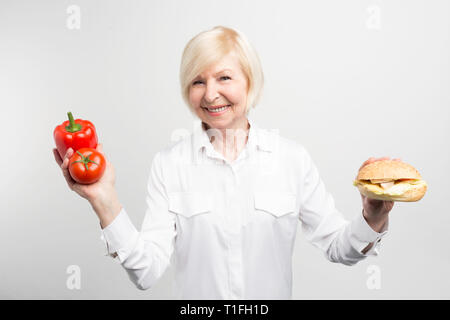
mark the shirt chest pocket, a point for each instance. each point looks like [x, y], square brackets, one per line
[276, 214]
[191, 208]
[277, 204]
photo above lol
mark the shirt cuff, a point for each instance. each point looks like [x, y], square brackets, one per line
[119, 235]
[361, 234]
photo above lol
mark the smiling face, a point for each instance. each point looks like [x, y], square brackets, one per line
[219, 94]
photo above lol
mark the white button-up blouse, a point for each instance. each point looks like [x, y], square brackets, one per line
[228, 228]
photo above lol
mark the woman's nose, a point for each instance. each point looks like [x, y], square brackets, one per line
[211, 93]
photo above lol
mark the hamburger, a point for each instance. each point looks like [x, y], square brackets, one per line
[390, 180]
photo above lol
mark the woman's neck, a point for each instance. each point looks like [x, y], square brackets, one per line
[229, 141]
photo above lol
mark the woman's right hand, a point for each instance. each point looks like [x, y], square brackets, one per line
[91, 192]
[101, 194]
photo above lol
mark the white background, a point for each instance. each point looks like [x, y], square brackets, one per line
[347, 79]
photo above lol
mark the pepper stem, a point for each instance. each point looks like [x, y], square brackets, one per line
[72, 127]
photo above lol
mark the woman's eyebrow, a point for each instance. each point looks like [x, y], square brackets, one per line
[200, 76]
[223, 71]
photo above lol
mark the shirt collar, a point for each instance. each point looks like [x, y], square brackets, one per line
[257, 138]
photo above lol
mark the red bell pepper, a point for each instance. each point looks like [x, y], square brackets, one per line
[75, 134]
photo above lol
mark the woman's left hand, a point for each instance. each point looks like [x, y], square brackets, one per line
[376, 211]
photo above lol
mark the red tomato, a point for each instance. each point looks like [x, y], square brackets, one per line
[87, 165]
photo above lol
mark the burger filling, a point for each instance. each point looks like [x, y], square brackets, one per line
[386, 185]
[389, 186]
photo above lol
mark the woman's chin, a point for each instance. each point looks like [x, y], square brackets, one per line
[222, 121]
[217, 123]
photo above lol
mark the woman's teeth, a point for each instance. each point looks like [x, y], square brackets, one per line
[218, 109]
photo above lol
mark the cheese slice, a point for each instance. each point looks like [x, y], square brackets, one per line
[375, 181]
[387, 185]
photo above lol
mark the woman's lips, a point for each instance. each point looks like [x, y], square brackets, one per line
[217, 113]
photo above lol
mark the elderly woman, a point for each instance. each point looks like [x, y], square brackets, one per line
[223, 203]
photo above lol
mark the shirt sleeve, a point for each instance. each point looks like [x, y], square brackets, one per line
[325, 227]
[145, 255]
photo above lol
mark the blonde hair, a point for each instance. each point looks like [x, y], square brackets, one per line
[210, 47]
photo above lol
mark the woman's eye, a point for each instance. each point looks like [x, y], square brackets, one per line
[196, 82]
[225, 78]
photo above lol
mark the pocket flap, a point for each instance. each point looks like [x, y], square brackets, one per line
[275, 203]
[189, 203]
